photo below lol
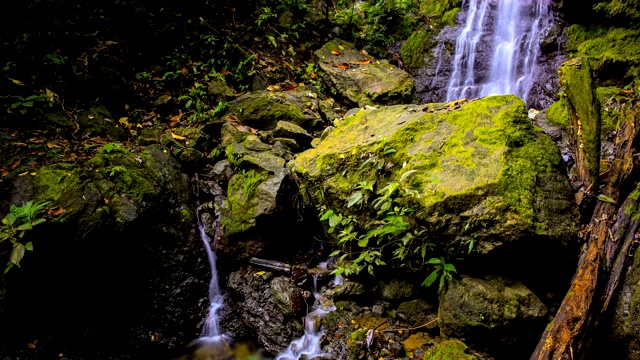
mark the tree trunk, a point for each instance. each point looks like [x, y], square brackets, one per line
[611, 232]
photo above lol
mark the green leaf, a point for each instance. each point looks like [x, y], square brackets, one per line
[24, 227]
[328, 214]
[389, 151]
[188, 104]
[334, 253]
[29, 246]
[450, 267]
[606, 199]
[434, 261]
[363, 242]
[9, 266]
[335, 220]
[406, 174]
[431, 278]
[17, 254]
[371, 159]
[354, 198]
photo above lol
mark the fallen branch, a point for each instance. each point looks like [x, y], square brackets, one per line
[271, 264]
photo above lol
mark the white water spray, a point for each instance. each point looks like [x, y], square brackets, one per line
[216, 300]
[308, 346]
[514, 35]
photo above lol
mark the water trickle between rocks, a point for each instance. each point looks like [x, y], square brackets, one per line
[308, 346]
[498, 48]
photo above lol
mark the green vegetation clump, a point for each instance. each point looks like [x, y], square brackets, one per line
[448, 350]
[607, 48]
[625, 8]
[558, 113]
[241, 201]
[18, 221]
[439, 14]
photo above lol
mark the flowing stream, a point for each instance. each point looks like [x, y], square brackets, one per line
[498, 48]
[308, 346]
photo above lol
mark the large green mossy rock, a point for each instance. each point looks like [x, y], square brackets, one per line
[112, 189]
[481, 171]
[253, 190]
[476, 308]
[360, 80]
[263, 109]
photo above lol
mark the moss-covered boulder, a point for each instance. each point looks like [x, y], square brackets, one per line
[263, 109]
[477, 309]
[361, 80]
[481, 172]
[111, 189]
[253, 190]
[97, 121]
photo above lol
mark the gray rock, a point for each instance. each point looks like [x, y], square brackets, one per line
[475, 308]
[418, 312]
[396, 290]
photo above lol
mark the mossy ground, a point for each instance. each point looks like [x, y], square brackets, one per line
[448, 350]
[241, 201]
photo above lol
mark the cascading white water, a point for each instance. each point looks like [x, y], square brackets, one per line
[513, 33]
[216, 300]
[308, 346]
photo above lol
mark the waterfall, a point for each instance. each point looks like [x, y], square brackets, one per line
[308, 346]
[216, 300]
[498, 54]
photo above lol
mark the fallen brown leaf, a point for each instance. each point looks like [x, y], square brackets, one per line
[336, 52]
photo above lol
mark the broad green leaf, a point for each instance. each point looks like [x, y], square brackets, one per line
[9, 266]
[430, 279]
[605, 198]
[24, 227]
[28, 246]
[327, 215]
[354, 198]
[334, 253]
[407, 174]
[335, 220]
[17, 253]
[450, 267]
[434, 261]
[363, 242]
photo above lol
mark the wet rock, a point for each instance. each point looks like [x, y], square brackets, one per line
[253, 190]
[418, 312]
[361, 80]
[396, 290]
[477, 309]
[290, 144]
[219, 91]
[348, 289]
[125, 204]
[223, 170]
[149, 136]
[287, 296]
[285, 129]
[261, 311]
[98, 121]
[229, 134]
[263, 109]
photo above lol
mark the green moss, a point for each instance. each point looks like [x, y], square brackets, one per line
[613, 49]
[558, 113]
[576, 81]
[609, 108]
[263, 110]
[354, 341]
[412, 50]
[448, 350]
[440, 14]
[241, 202]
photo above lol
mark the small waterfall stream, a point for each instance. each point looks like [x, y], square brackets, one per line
[308, 346]
[498, 48]
[216, 300]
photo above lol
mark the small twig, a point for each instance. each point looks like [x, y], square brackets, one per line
[413, 328]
